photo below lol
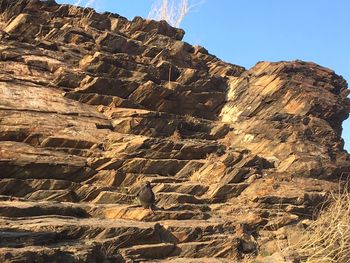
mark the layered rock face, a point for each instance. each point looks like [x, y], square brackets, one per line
[93, 105]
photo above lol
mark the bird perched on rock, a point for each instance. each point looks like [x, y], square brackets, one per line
[146, 196]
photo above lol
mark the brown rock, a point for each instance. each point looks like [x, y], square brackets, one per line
[92, 105]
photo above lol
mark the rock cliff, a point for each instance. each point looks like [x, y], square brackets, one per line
[92, 105]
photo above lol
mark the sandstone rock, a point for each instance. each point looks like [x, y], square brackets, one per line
[93, 105]
[162, 27]
[24, 24]
[292, 101]
[111, 42]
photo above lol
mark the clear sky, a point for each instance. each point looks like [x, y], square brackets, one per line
[244, 32]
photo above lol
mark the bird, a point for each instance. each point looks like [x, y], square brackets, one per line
[146, 196]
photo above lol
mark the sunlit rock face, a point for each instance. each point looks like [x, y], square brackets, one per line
[93, 105]
[291, 111]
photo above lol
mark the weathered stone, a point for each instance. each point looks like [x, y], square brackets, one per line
[112, 42]
[24, 24]
[107, 86]
[162, 27]
[93, 105]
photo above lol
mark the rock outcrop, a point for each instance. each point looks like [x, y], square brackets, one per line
[92, 105]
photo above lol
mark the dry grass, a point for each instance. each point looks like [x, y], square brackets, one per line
[169, 78]
[327, 239]
[168, 11]
[171, 12]
[87, 3]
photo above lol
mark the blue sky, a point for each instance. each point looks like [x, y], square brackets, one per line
[244, 32]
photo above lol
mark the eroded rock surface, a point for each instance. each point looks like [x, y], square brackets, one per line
[92, 105]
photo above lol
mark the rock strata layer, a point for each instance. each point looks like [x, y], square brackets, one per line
[92, 105]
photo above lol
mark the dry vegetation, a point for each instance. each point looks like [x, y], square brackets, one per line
[327, 239]
[87, 3]
[168, 11]
[172, 11]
